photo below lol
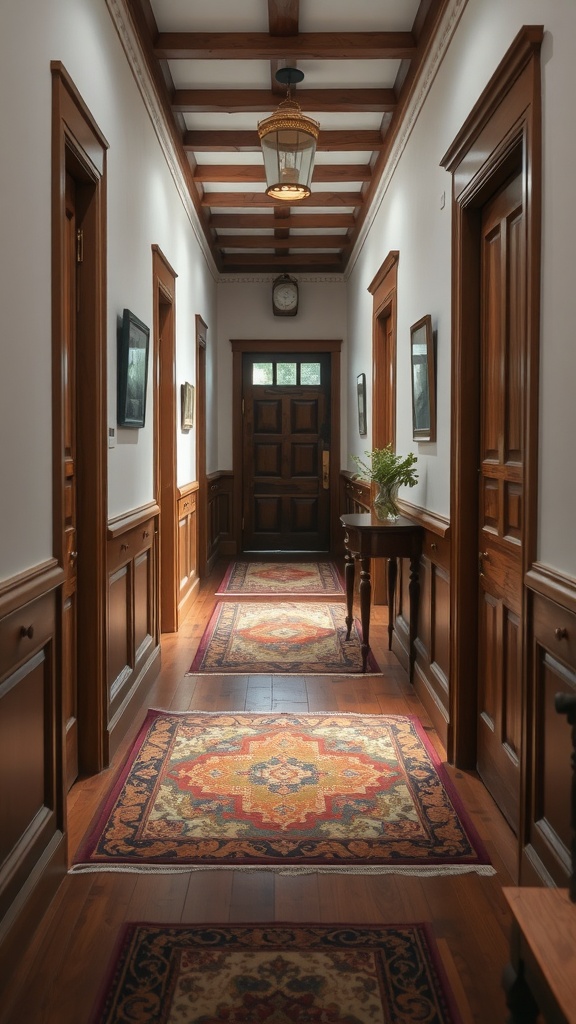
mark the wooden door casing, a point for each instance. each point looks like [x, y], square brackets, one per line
[500, 496]
[286, 439]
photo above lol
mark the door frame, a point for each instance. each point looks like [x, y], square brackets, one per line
[79, 147]
[383, 289]
[294, 347]
[164, 403]
[501, 134]
[200, 426]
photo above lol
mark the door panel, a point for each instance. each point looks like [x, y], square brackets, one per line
[501, 497]
[286, 436]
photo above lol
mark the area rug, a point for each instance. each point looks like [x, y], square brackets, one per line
[281, 579]
[284, 638]
[277, 974]
[361, 793]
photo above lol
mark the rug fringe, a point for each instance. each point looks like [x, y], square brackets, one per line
[421, 871]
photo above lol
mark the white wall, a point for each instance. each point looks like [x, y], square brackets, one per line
[411, 220]
[144, 208]
[245, 312]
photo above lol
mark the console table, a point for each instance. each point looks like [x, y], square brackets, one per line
[369, 537]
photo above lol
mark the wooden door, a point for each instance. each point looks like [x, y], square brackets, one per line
[501, 485]
[72, 251]
[286, 452]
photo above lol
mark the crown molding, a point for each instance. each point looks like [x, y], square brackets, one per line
[137, 61]
[268, 278]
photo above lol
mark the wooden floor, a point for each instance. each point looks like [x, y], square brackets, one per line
[63, 970]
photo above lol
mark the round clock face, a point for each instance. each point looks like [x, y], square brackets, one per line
[285, 296]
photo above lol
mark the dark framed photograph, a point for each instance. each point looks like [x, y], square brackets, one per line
[423, 380]
[133, 345]
[361, 392]
[186, 406]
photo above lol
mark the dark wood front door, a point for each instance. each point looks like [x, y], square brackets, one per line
[286, 452]
[501, 496]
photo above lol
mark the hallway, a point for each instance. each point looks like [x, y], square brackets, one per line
[62, 973]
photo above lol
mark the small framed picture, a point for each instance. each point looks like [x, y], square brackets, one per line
[133, 342]
[423, 380]
[361, 392]
[187, 406]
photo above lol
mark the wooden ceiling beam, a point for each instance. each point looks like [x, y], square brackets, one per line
[304, 46]
[255, 172]
[236, 101]
[257, 221]
[273, 242]
[283, 17]
[309, 260]
[248, 200]
[230, 141]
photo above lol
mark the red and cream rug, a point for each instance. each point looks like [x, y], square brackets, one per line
[280, 973]
[285, 638]
[281, 579]
[359, 793]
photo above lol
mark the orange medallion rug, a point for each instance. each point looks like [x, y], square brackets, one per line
[351, 792]
[288, 638]
[277, 974]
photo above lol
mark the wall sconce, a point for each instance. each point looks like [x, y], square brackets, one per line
[288, 140]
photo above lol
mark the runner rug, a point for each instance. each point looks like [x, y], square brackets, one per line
[359, 793]
[286, 973]
[281, 579]
[286, 639]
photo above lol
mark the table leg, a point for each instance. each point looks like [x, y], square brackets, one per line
[414, 592]
[365, 593]
[349, 581]
[392, 573]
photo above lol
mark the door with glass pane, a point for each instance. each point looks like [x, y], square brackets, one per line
[286, 452]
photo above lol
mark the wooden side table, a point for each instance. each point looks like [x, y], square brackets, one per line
[369, 537]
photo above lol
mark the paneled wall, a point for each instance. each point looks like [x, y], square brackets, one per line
[133, 633]
[552, 670]
[187, 533]
[31, 802]
[220, 541]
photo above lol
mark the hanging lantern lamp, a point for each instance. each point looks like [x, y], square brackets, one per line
[288, 140]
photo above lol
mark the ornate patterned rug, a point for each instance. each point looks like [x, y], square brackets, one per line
[277, 974]
[281, 579]
[286, 639]
[359, 793]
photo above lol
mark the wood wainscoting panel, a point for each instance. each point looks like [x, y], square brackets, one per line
[32, 844]
[545, 855]
[133, 621]
[188, 548]
[221, 541]
[432, 666]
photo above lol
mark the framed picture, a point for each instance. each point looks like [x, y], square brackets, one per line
[133, 344]
[423, 380]
[186, 406]
[361, 391]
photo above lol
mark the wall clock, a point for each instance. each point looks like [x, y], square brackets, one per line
[285, 296]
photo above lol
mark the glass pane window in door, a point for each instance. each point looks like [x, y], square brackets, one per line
[262, 373]
[286, 373]
[310, 373]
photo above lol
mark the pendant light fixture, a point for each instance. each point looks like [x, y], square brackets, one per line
[288, 140]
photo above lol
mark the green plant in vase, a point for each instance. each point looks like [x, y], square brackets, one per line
[388, 471]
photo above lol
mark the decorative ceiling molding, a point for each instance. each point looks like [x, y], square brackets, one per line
[130, 42]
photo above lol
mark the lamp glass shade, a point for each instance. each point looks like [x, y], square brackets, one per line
[288, 141]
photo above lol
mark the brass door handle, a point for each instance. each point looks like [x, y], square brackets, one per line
[325, 470]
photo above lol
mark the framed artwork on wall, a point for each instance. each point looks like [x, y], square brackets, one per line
[361, 392]
[133, 344]
[423, 380]
[186, 406]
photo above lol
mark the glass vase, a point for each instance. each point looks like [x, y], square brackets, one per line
[386, 501]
